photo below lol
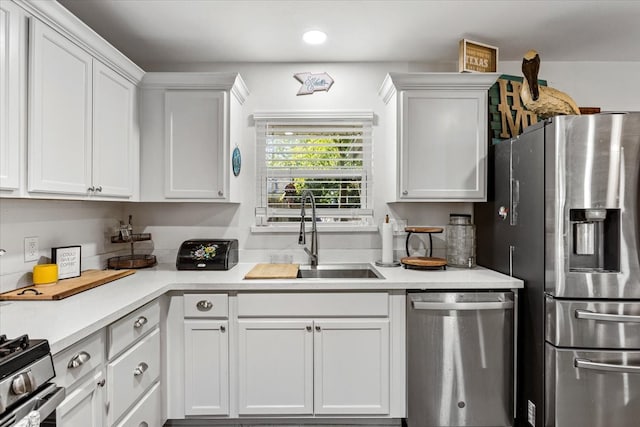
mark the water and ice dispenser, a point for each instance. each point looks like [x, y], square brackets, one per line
[595, 240]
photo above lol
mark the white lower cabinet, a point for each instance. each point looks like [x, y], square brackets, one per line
[275, 366]
[84, 406]
[334, 362]
[206, 376]
[351, 366]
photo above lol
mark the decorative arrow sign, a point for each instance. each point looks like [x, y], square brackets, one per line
[313, 82]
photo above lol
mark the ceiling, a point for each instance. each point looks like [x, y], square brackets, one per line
[198, 31]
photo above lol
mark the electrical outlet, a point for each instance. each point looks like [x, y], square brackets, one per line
[30, 249]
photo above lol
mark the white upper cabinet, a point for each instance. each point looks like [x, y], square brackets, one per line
[60, 114]
[68, 108]
[115, 158]
[11, 95]
[440, 124]
[194, 144]
[187, 135]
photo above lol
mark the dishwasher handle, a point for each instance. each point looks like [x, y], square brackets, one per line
[484, 305]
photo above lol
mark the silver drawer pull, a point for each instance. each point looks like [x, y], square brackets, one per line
[609, 367]
[204, 305]
[102, 382]
[140, 369]
[140, 322]
[79, 360]
[223, 328]
[605, 317]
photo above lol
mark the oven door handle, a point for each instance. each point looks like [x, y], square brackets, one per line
[609, 367]
[605, 317]
[50, 401]
[44, 402]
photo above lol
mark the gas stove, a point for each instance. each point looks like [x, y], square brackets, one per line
[26, 367]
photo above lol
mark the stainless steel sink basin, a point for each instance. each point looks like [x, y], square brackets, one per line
[339, 271]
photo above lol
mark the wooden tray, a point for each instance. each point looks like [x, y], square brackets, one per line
[273, 271]
[423, 262]
[66, 287]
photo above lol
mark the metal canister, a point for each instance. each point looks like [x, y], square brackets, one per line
[461, 241]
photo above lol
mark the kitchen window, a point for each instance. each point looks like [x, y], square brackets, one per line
[328, 153]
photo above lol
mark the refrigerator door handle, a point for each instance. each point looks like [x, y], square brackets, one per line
[593, 315]
[609, 367]
[490, 305]
[515, 201]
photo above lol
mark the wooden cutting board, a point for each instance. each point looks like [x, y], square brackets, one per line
[66, 287]
[273, 271]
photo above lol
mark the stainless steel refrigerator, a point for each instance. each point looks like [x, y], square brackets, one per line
[563, 214]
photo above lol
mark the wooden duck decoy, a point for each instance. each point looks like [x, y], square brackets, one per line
[543, 100]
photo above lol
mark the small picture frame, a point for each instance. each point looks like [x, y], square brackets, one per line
[476, 57]
[68, 260]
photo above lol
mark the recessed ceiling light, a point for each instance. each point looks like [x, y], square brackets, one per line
[314, 37]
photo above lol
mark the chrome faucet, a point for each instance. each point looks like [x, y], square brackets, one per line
[302, 238]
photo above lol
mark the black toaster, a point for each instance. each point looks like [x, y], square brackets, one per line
[207, 254]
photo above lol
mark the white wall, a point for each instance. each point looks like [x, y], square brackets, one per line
[55, 223]
[610, 86]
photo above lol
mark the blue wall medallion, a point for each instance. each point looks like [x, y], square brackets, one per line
[236, 161]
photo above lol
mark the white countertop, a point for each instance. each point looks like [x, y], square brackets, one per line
[67, 321]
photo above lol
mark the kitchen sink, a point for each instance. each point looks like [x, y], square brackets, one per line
[339, 271]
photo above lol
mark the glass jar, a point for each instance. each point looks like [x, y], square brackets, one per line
[461, 241]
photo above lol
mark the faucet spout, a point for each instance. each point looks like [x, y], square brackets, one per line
[313, 253]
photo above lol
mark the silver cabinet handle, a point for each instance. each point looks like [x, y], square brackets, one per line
[220, 193]
[140, 322]
[609, 367]
[92, 188]
[405, 192]
[605, 317]
[223, 328]
[318, 328]
[309, 328]
[99, 188]
[491, 305]
[140, 369]
[79, 360]
[102, 382]
[204, 305]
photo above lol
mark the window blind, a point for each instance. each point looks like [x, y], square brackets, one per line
[331, 157]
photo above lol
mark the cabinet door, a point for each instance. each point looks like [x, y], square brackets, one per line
[275, 367]
[351, 373]
[194, 144]
[10, 95]
[206, 367]
[84, 406]
[113, 144]
[59, 149]
[443, 145]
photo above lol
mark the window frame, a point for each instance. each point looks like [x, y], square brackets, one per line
[361, 118]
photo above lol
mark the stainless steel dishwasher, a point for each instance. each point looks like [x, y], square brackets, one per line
[460, 359]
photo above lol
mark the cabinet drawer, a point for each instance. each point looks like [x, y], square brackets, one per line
[313, 304]
[127, 330]
[206, 305]
[146, 413]
[131, 374]
[76, 361]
